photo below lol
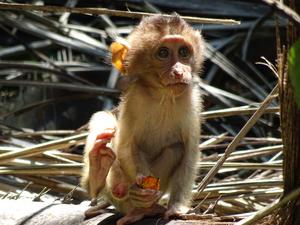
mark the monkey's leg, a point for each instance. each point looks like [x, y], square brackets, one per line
[181, 190]
[178, 175]
[117, 182]
[101, 159]
[139, 213]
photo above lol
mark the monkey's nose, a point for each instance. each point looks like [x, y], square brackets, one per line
[178, 75]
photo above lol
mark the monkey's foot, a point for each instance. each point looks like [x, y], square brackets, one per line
[101, 159]
[176, 211]
[96, 210]
[139, 213]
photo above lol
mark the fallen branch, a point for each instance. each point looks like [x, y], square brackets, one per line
[40, 148]
[111, 12]
[64, 86]
[231, 147]
[49, 170]
[284, 10]
[235, 111]
[268, 210]
[241, 165]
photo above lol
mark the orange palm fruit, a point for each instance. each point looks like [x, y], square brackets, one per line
[150, 182]
[118, 52]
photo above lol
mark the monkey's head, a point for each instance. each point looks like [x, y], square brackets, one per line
[164, 52]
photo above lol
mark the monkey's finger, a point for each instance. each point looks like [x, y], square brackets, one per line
[105, 156]
[135, 190]
[98, 147]
[99, 168]
[101, 142]
[129, 219]
[95, 188]
[142, 195]
[146, 197]
[145, 202]
[151, 198]
[94, 153]
[141, 192]
[110, 130]
[140, 204]
[98, 153]
[97, 184]
[139, 179]
[107, 152]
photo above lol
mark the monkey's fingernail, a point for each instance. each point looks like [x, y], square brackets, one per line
[102, 141]
[110, 130]
[151, 191]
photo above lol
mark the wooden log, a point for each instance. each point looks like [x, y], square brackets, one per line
[27, 212]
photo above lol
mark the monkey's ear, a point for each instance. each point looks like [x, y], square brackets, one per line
[118, 54]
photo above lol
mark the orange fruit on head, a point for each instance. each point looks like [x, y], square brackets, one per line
[118, 52]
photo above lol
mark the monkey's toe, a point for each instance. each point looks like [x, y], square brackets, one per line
[175, 211]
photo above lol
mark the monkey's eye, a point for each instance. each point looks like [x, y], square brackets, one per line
[163, 53]
[184, 52]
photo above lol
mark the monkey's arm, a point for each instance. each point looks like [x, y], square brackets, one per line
[97, 157]
[131, 157]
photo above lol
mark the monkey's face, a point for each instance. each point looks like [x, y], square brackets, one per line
[164, 53]
[172, 63]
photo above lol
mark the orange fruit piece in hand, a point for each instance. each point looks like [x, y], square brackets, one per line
[150, 182]
[107, 134]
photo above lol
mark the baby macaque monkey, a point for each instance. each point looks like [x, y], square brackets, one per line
[156, 132]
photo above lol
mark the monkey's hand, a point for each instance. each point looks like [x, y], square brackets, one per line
[176, 210]
[144, 202]
[101, 158]
[143, 198]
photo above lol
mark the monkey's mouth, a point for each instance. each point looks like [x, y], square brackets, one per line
[178, 84]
